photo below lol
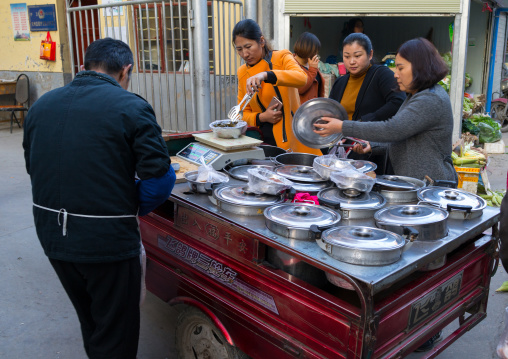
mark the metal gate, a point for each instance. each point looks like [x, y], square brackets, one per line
[184, 60]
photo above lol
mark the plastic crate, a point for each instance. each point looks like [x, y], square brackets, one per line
[468, 178]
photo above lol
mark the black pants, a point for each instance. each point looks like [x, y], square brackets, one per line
[106, 299]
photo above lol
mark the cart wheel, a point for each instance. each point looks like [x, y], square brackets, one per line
[198, 338]
[498, 113]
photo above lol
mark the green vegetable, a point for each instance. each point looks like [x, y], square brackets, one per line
[503, 287]
[488, 134]
[477, 118]
[468, 80]
[469, 126]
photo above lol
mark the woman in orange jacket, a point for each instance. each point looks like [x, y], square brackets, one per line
[267, 74]
[306, 51]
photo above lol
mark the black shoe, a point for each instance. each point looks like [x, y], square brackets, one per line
[429, 344]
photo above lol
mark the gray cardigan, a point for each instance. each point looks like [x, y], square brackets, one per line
[418, 136]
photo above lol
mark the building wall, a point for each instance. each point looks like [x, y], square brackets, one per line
[23, 56]
[500, 58]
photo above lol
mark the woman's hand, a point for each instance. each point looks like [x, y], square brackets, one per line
[271, 115]
[332, 125]
[254, 82]
[358, 148]
[314, 62]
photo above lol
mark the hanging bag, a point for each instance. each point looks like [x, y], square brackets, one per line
[48, 48]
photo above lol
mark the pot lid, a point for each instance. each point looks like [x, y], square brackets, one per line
[301, 215]
[240, 172]
[399, 182]
[363, 238]
[445, 196]
[240, 195]
[350, 199]
[299, 173]
[311, 186]
[410, 215]
[311, 112]
[362, 166]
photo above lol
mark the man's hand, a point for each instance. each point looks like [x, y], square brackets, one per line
[332, 125]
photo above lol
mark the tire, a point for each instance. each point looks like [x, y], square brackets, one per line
[198, 338]
[498, 113]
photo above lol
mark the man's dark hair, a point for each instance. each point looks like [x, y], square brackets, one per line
[249, 29]
[427, 65]
[361, 39]
[109, 55]
[307, 45]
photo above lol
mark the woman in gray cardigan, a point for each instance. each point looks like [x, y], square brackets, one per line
[419, 135]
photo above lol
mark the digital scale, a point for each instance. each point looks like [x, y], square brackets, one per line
[218, 152]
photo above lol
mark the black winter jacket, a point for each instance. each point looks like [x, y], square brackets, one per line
[83, 144]
[377, 99]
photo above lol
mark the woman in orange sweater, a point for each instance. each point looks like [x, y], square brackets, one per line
[267, 74]
[306, 51]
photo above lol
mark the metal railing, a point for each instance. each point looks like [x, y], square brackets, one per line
[168, 71]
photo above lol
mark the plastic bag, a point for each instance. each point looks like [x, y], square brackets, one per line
[502, 346]
[488, 134]
[265, 181]
[353, 179]
[325, 165]
[207, 173]
[48, 48]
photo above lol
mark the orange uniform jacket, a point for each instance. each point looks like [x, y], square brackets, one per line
[290, 76]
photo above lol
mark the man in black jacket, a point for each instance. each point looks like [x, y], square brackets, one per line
[84, 144]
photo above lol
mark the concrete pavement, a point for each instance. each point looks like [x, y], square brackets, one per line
[37, 319]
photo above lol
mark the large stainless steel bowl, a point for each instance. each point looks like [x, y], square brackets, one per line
[311, 112]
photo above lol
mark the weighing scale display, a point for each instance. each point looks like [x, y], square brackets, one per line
[195, 150]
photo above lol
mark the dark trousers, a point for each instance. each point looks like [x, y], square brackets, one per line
[106, 299]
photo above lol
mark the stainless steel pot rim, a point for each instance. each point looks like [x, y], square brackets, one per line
[294, 155]
[299, 173]
[399, 183]
[239, 195]
[410, 215]
[363, 238]
[365, 201]
[443, 196]
[311, 112]
[301, 215]
[190, 176]
[311, 186]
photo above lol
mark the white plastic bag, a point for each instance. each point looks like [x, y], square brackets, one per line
[207, 173]
[262, 180]
[353, 179]
[325, 165]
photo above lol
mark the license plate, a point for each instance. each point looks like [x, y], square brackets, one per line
[435, 300]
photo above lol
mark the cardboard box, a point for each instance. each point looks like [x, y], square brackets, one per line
[468, 178]
[495, 147]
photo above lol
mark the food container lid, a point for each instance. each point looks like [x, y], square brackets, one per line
[299, 173]
[240, 195]
[363, 238]
[350, 199]
[313, 187]
[311, 112]
[444, 196]
[400, 183]
[410, 215]
[301, 215]
[240, 172]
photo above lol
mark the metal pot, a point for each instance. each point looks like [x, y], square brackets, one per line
[295, 158]
[398, 189]
[304, 178]
[238, 169]
[293, 220]
[272, 151]
[352, 204]
[430, 222]
[363, 245]
[201, 187]
[238, 199]
[460, 204]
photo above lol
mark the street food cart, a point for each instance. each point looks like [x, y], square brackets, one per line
[250, 291]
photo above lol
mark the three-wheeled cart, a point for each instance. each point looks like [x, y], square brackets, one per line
[250, 291]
